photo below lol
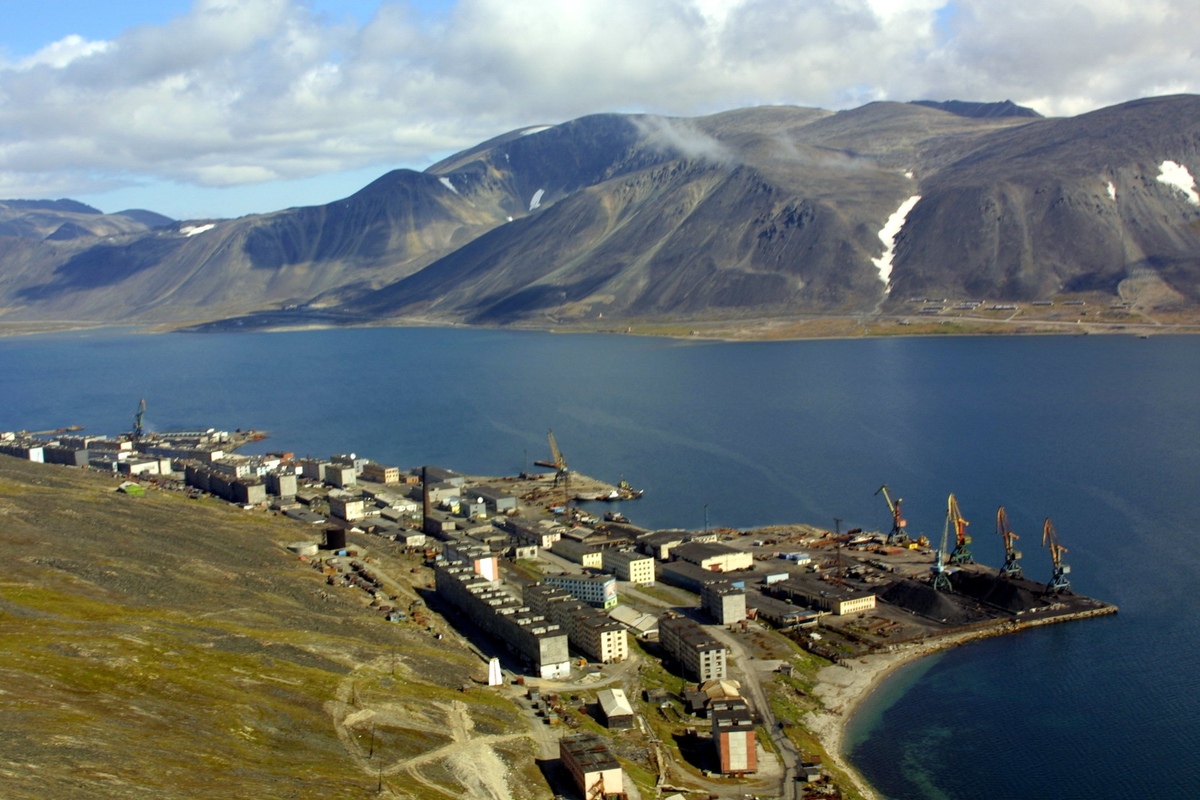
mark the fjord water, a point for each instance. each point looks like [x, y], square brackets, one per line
[1100, 433]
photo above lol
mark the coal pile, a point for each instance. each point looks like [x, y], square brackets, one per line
[996, 591]
[923, 599]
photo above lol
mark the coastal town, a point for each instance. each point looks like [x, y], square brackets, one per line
[671, 662]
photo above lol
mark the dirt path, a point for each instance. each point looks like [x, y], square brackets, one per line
[470, 758]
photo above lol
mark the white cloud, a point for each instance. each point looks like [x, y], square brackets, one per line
[61, 53]
[262, 90]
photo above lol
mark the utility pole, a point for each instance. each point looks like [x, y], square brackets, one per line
[706, 517]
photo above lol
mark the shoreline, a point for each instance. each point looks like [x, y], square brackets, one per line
[843, 687]
[761, 330]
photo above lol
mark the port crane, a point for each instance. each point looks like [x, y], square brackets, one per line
[896, 534]
[940, 580]
[960, 554]
[559, 464]
[1011, 568]
[138, 431]
[1058, 582]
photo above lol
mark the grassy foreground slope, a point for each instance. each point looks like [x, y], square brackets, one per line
[167, 647]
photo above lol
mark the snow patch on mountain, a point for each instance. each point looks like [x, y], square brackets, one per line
[192, 230]
[888, 234]
[537, 199]
[444, 181]
[1112, 192]
[1177, 175]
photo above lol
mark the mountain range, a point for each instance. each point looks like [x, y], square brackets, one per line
[753, 213]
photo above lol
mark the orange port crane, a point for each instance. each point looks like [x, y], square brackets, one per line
[1058, 581]
[960, 554]
[896, 534]
[1011, 568]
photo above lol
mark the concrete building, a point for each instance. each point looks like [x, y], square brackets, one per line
[379, 473]
[237, 466]
[700, 655]
[72, 457]
[618, 713]
[313, 469]
[715, 557]
[660, 543]
[641, 624]
[250, 493]
[144, 466]
[281, 484]
[599, 591]
[542, 536]
[341, 476]
[439, 525]
[411, 538]
[538, 641]
[823, 596]
[437, 492]
[498, 501]
[469, 552]
[590, 632]
[347, 507]
[779, 614]
[578, 552]
[225, 486]
[472, 507]
[687, 575]
[439, 475]
[629, 566]
[301, 515]
[722, 601]
[596, 772]
[350, 460]
[23, 451]
[733, 735]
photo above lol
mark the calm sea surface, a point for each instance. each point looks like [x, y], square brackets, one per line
[1100, 433]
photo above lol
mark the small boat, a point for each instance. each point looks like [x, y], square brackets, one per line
[615, 516]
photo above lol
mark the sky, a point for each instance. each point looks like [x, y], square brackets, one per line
[219, 108]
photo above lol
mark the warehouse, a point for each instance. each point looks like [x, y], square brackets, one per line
[715, 557]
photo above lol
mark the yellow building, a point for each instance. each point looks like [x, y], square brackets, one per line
[629, 566]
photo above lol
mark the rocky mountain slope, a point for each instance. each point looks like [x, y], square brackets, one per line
[761, 212]
[174, 646]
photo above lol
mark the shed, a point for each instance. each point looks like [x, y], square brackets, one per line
[618, 713]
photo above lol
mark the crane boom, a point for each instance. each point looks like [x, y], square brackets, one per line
[559, 465]
[1058, 579]
[896, 534]
[960, 554]
[941, 581]
[137, 421]
[1011, 568]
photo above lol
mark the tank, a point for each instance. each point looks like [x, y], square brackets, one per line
[335, 539]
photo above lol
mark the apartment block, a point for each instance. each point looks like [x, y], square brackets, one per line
[629, 566]
[700, 655]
